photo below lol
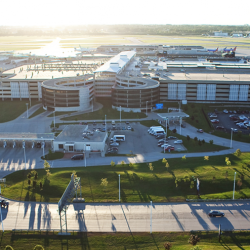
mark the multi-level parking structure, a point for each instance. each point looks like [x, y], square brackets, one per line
[135, 93]
[68, 94]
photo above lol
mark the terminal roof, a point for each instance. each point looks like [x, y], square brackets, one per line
[74, 133]
[27, 136]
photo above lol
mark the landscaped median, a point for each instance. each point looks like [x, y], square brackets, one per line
[115, 241]
[160, 181]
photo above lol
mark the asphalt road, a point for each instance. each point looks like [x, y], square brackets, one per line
[110, 217]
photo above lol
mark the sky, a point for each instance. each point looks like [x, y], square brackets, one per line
[83, 12]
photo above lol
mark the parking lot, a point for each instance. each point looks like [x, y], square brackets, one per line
[225, 123]
[137, 140]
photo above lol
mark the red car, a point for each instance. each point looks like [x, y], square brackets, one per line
[171, 148]
[215, 121]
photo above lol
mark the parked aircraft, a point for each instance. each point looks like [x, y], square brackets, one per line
[83, 50]
[229, 50]
[213, 50]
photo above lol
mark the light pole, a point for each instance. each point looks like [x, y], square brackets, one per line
[27, 104]
[180, 125]
[231, 143]
[119, 187]
[85, 155]
[150, 216]
[1, 218]
[24, 154]
[120, 114]
[234, 184]
[146, 107]
[105, 124]
[54, 119]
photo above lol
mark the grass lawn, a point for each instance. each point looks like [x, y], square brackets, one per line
[38, 112]
[106, 110]
[53, 156]
[60, 113]
[154, 241]
[10, 110]
[138, 183]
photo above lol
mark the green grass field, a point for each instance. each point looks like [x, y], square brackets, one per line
[120, 241]
[38, 112]
[139, 183]
[35, 42]
[10, 110]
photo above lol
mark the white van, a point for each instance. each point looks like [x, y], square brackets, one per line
[152, 132]
[150, 129]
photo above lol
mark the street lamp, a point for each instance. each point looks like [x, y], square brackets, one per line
[27, 104]
[24, 154]
[120, 114]
[234, 184]
[105, 124]
[150, 216]
[231, 143]
[54, 119]
[85, 155]
[119, 187]
[146, 107]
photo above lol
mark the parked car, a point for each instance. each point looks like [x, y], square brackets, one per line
[215, 121]
[172, 137]
[219, 127]
[225, 111]
[215, 213]
[129, 128]
[165, 145]
[171, 148]
[127, 122]
[178, 142]
[200, 130]
[114, 144]
[4, 203]
[162, 140]
[159, 136]
[77, 157]
[213, 116]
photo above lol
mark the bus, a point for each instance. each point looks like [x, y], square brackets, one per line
[119, 137]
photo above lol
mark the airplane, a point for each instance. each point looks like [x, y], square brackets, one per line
[213, 50]
[83, 50]
[229, 50]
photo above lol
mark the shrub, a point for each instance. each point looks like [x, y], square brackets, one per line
[167, 245]
[174, 130]
[188, 137]
[195, 138]
[8, 247]
[34, 184]
[193, 239]
[211, 142]
[238, 152]
[38, 247]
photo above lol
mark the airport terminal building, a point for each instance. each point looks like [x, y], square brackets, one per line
[74, 86]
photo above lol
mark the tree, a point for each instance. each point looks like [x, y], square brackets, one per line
[199, 142]
[176, 182]
[184, 157]
[41, 186]
[211, 142]
[104, 182]
[167, 245]
[174, 130]
[239, 183]
[206, 158]
[191, 184]
[34, 184]
[167, 165]
[188, 137]
[203, 141]
[47, 168]
[164, 160]
[29, 182]
[112, 163]
[131, 164]
[151, 167]
[123, 163]
[193, 239]
[238, 152]
[214, 178]
[195, 138]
